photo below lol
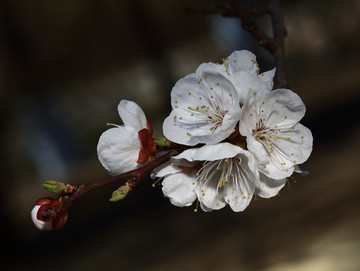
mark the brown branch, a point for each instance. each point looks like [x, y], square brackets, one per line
[280, 33]
[274, 45]
[134, 176]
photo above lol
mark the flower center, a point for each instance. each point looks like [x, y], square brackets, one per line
[226, 175]
[215, 116]
[271, 139]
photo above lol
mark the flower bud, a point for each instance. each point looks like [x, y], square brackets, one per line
[121, 192]
[49, 214]
[59, 187]
[162, 142]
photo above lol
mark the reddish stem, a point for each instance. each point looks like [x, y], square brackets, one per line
[134, 176]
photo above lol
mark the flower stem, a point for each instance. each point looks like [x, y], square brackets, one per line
[134, 176]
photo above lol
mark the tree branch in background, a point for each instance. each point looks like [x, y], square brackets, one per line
[275, 45]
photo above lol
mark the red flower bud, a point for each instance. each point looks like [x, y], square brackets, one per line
[49, 214]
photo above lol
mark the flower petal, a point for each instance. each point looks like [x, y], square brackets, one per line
[267, 78]
[239, 195]
[132, 115]
[258, 150]
[210, 152]
[294, 149]
[282, 107]
[241, 61]
[118, 149]
[207, 195]
[205, 110]
[179, 188]
[41, 225]
[246, 83]
[211, 68]
[165, 169]
[268, 187]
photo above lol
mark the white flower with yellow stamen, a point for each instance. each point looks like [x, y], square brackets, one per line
[244, 62]
[205, 109]
[270, 122]
[221, 174]
[129, 146]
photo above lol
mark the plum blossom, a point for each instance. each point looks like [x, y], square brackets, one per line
[242, 69]
[270, 123]
[216, 175]
[205, 109]
[129, 146]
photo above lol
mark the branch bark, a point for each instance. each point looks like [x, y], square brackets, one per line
[275, 46]
[134, 176]
[280, 33]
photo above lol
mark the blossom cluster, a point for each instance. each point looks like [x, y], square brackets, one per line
[246, 138]
[243, 138]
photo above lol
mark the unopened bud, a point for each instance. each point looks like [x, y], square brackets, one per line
[59, 187]
[49, 214]
[121, 192]
[162, 142]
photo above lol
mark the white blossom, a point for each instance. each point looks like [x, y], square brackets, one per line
[270, 123]
[205, 109]
[120, 148]
[216, 175]
[238, 66]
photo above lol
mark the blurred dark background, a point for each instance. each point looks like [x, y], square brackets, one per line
[65, 65]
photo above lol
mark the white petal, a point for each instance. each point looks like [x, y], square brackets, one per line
[118, 149]
[208, 197]
[239, 200]
[204, 208]
[164, 170]
[258, 150]
[210, 152]
[267, 187]
[210, 68]
[282, 107]
[240, 204]
[41, 225]
[132, 115]
[246, 83]
[205, 110]
[294, 149]
[273, 171]
[241, 61]
[179, 189]
[267, 78]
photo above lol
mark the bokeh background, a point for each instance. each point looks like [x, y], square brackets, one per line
[65, 65]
